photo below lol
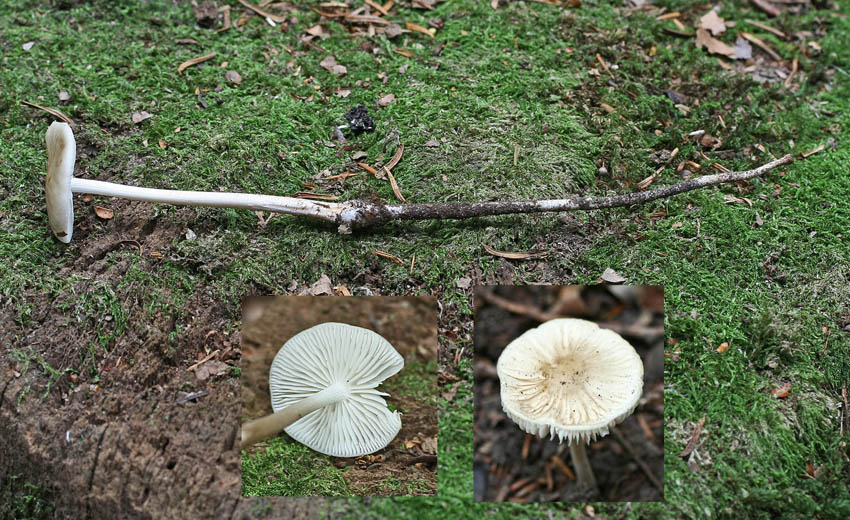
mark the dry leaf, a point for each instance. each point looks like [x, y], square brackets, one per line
[432, 144]
[163, 144]
[405, 52]
[342, 92]
[27, 46]
[138, 117]
[782, 392]
[712, 22]
[194, 61]
[64, 96]
[104, 213]
[394, 185]
[450, 394]
[723, 347]
[211, 368]
[612, 276]
[759, 221]
[386, 100]
[712, 44]
[322, 286]
[233, 77]
[330, 64]
[463, 283]
[429, 446]
[511, 255]
[316, 30]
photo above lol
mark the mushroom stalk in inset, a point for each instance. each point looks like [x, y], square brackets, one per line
[323, 391]
[572, 380]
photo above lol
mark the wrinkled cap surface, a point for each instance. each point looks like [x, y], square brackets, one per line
[569, 379]
[338, 354]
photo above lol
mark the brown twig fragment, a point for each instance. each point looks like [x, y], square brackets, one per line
[51, 111]
[194, 61]
[266, 14]
[692, 443]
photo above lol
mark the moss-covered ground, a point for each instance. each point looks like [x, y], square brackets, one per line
[518, 105]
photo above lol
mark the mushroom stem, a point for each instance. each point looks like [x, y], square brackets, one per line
[584, 473]
[291, 205]
[270, 425]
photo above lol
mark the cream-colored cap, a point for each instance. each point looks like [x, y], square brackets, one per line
[569, 379]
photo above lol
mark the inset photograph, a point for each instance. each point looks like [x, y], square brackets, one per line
[569, 393]
[339, 396]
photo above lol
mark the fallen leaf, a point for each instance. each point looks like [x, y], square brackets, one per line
[692, 443]
[432, 144]
[759, 221]
[316, 30]
[429, 446]
[321, 287]
[712, 22]
[723, 347]
[104, 213]
[233, 77]
[138, 117]
[712, 44]
[163, 144]
[612, 276]
[27, 46]
[512, 255]
[450, 393]
[810, 469]
[342, 92]
[186, 41]
[394, 185]
[782, 392]
[265, 14]
[463, 283]
[330, 64]
[342, 290]
[386, 100]
[211, 368]
[405, 52]
[194, 61]
[64, 96]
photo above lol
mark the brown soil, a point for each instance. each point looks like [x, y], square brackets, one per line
[510, 465]
[121, 446]
[408, 323]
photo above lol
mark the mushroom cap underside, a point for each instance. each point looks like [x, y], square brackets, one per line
[569, 379]
[337, 354]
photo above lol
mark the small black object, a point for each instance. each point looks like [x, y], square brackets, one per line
[359, 120]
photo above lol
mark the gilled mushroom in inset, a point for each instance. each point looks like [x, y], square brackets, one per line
[323, 390]
[572, 380]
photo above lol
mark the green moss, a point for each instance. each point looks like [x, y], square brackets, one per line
[288, 468]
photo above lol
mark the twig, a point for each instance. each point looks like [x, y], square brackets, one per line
[51, 111]
[626, 444]
[424, 459]
[201, 362]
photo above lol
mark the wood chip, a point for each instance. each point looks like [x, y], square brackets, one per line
[512, 255]
[390, 256]
[418, 28]
[265, 14]
[194, 61]
[812, 152]
[692, 443]
[51, 111]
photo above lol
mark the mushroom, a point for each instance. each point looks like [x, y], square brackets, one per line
[61, 184]
[572, 380]
[322, 384]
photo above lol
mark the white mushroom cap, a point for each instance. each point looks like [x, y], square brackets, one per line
[569, 379]
[61, 156]
[350, 362]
